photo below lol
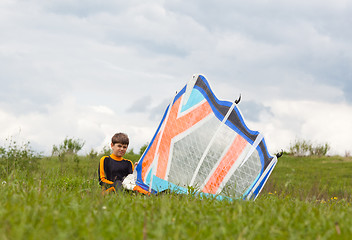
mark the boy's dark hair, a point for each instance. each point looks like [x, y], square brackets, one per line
[120, 138]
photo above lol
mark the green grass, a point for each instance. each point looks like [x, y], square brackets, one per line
[312, 178]
[305, 198]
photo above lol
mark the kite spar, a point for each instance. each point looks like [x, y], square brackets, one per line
[203, 142]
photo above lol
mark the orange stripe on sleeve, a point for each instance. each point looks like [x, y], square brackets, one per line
[102, 172]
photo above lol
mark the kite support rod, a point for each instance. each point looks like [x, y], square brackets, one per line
[156, 156]
[211, 142]
[189, 88]
[255, 144]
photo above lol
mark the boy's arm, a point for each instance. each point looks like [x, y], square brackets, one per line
[102, 176]
[132, 166]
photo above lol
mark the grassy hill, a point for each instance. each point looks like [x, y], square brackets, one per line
[305, 198]
[309, 178]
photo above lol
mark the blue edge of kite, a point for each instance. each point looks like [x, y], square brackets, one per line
[162, 185]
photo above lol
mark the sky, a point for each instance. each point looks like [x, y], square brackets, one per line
[87, 69]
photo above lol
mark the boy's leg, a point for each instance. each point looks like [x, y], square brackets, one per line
[107, 191]
[115, 187]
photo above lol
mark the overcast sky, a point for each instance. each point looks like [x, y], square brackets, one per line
[89, 68]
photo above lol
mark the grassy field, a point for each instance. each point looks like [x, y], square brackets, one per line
[305, 198]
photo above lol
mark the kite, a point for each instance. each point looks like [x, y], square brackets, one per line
[203, 143]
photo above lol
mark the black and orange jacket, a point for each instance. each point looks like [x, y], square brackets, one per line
[112, 168]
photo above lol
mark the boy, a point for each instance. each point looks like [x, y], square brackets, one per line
[114, 168]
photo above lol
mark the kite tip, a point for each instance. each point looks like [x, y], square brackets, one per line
[278, 155]
[238, 100]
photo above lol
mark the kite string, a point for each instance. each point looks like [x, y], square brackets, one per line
[211, 142]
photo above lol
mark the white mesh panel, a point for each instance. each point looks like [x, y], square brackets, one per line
[243, 177]
[186, 154]
[222, 140]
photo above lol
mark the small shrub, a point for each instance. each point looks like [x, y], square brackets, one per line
[306, 148]
[68, 146]
[68, 150]
[16, 157]
[92, 154]
[300, 148]
[319, 150]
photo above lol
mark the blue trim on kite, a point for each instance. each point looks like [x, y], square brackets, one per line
[261, 185]
[160, 185]
[261, 155]
[267, 153]
[145, 187]
[227, 104]
[252, 185]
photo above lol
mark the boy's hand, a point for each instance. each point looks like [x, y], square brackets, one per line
[117, 185]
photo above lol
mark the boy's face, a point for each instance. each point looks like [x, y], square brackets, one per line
[119, 149]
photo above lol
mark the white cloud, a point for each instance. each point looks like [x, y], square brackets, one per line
[75, 69]
[318, 122]
[103, 110]
[93, 124]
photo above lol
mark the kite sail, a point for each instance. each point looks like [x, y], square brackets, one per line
[203, 143]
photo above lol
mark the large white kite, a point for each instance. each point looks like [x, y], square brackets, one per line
[203, 143]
